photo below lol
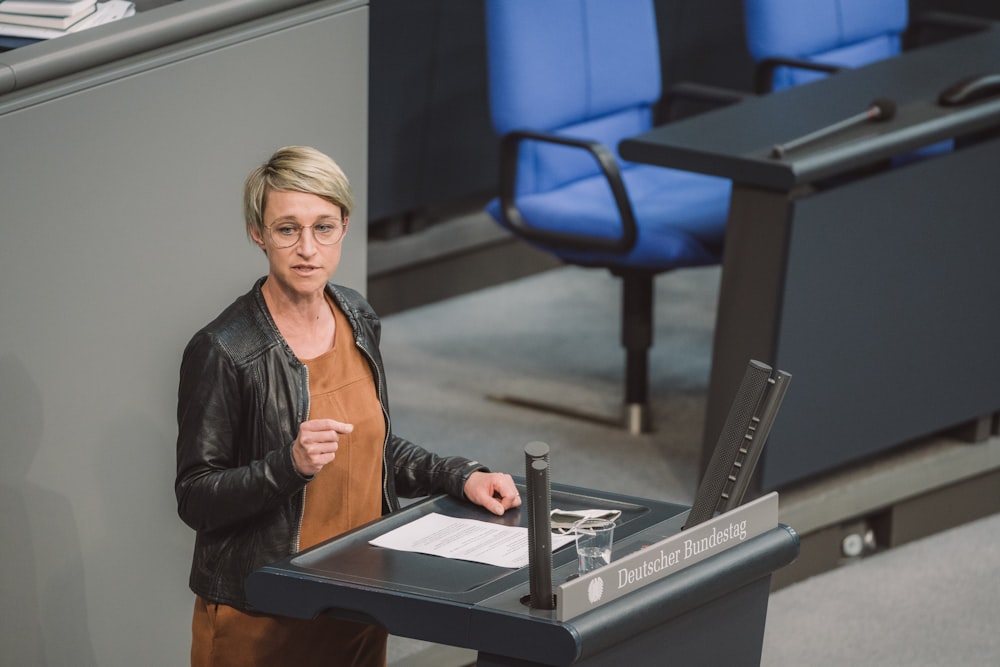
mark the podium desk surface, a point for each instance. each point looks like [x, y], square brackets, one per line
[735, 142]
[484, 607]
[351, 560]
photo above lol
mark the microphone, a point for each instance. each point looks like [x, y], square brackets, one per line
[880, 109]
[536, 460]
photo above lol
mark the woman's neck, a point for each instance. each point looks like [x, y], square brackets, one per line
[294, 307]
[306, 323]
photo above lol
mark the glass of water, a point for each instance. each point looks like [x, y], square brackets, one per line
[593, 543]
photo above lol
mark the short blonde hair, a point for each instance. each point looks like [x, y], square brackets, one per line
[294, 169]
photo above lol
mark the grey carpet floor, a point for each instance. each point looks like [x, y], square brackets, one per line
[932, 602]
[555, 337]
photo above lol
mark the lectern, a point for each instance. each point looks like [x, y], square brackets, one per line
[710, 613]
[864, 268]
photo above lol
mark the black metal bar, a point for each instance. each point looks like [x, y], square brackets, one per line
[539, 529]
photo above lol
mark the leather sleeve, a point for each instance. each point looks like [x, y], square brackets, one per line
[220, 480]
[420, 473]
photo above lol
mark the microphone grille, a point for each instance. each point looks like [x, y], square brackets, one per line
[884, 108]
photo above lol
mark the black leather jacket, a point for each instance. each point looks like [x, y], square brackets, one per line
[242, 396]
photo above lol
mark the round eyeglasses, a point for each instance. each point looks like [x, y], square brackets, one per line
[287, 234]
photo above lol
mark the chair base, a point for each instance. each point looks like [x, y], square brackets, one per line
[635, 418]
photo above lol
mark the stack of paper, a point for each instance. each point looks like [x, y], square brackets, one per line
[465, 539]
[47, 19]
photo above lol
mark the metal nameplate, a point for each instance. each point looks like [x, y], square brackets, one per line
[667, 556]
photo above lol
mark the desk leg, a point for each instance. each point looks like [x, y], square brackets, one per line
[753, 271]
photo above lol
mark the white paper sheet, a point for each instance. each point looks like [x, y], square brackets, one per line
[465, 539]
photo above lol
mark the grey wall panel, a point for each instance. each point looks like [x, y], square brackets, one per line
[79, 51]
[121, 235]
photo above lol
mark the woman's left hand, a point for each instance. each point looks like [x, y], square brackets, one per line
[495, 491]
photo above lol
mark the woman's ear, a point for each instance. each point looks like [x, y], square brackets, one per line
[255, 235]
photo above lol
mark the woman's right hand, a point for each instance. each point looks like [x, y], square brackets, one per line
[317, 443]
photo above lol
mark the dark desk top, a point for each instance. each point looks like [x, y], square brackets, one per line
[350, 560]
[735, 142]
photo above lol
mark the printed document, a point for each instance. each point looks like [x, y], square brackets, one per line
[465, 539]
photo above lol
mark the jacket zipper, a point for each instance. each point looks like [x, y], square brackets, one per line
[302, 509]
[388, 421]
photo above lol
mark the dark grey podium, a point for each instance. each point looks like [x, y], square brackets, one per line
[711, 613]
[869, 275]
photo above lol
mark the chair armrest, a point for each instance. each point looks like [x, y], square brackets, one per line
[509, 148]
[943, 25]
[689, 91]
[763, 80]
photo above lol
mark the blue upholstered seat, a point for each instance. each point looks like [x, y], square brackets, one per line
[841, 33]
[680, 225]
[568, 80]
[590, 69]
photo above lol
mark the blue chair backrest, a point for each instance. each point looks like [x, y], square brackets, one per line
[847, 33]
[588, 69]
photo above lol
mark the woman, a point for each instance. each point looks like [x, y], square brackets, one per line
[284, 435]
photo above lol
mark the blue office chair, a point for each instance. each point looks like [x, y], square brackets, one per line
[568, 80]
[798, 41]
